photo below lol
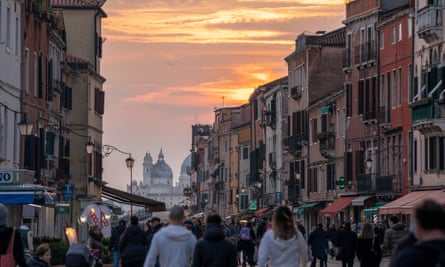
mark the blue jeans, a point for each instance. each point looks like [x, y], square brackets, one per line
[115, 258]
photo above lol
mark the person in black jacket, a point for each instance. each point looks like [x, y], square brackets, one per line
[114, 241]
[5, 237]
[347, 243]
[319, 245]
[214, 249]
[132, 245]
[429, 251]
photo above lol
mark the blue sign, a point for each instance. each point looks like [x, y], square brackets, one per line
[277, 197]
[68, 192]
[5, 177]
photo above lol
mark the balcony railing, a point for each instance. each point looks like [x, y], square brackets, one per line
[387, 184]
[429, 20]
[366, 52]
[295, 143]
[426, 111]
[364, 182]
[369, 115]
[296, 91]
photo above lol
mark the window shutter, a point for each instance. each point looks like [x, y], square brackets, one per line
[50, 139]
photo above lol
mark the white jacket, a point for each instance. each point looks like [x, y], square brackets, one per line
[282, 253]
[174, 245]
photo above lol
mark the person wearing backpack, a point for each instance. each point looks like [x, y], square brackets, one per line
[246, 243]
[430, 232]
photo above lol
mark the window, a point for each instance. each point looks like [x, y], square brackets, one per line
[361, 89]
[348, 100]
[400, 32]
[245, 153]
[399, 88]
[410, 28]
[393, 35]
[394, 89]
[27, 70]
[415, 155]
[8, 28]
[99, 98]
[17, 34]
[382, 39]
[382, 91]
[410, 83]
[35, 75]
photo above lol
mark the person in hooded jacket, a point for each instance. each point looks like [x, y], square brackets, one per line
[132, 245]
[41, 258]
[394, 234]
[284, 245]
[173, 244]
[214, 249]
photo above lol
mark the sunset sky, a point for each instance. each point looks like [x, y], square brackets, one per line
[169, 63]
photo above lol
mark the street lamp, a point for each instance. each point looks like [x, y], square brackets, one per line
[25, 126]
[108, 149]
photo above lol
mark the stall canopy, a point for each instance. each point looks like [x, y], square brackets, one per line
[407, 203]
[127, 198]
[368, 212]
[260, 211]
[27, 194]
[306, 206]
[338, 205]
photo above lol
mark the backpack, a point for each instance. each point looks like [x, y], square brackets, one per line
[245, 233]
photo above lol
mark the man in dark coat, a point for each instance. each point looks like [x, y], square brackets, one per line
[214, 249]
[430, 232]
[132, 245]
[347, 243]
[319, 245]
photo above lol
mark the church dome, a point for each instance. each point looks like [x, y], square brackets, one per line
[186, 164]
[161, 169]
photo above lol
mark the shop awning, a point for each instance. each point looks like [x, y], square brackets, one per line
[306, 206]
[338, 205]
[260, 211]
[407, 203]
[360, 201]
[368, 212]
[127, 198]
[27, 194]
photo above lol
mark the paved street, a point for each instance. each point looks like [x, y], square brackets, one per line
[335, 263]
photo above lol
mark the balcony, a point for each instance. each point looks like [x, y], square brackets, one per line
[429, 20]
[295, 144]
[364, 182]
[387, 184]
[366, 53]
[369, 117]
[428, 113]
[296, 91]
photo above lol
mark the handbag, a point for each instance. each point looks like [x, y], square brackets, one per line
[7, 260]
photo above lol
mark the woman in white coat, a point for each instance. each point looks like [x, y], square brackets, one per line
[284, 245]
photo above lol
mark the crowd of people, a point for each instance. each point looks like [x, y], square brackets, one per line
[275, 241]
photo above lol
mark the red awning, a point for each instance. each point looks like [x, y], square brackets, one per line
[260, 211]
[338, 205]
[407, 203]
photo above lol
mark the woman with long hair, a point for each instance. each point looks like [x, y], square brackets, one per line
[284, 245]
[368, 247]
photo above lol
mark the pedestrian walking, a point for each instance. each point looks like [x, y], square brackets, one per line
[173, 244]
[332, 236]
[246, 243]
[214, 249]
[10, 241]
[94, 243]
[393, 235]
[133, 244]
[369, 252]
[116, 234]
[41, 257]
[347, 242]
[284, 245]
[318, 243]
[430, 231]
[301, 227]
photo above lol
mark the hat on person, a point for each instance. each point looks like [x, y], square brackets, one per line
[3, 214]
